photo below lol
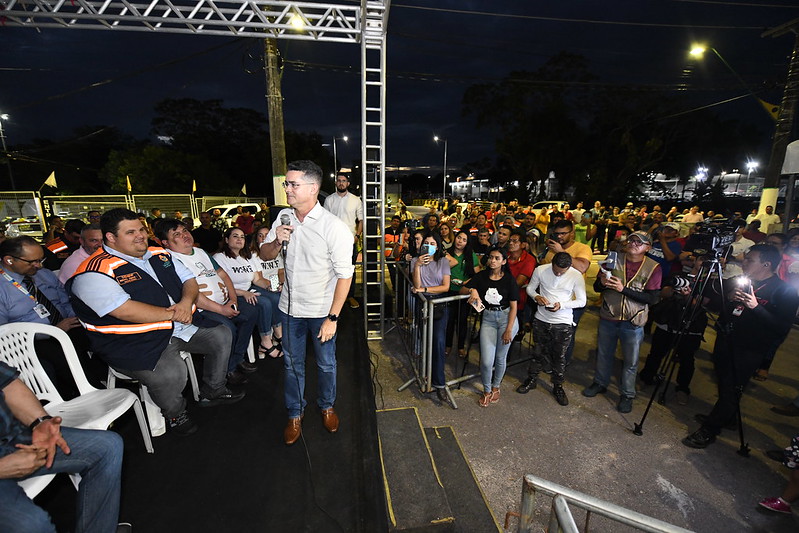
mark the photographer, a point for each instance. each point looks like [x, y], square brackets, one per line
[627, 293]
[667, 316]
[758, 315]
[665, 248]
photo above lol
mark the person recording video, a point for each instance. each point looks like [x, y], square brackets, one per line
[757, 316]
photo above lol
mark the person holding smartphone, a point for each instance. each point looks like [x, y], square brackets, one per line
[431, 275]
[496, 289]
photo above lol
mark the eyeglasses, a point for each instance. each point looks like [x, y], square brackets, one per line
[39, 262]
[293, 184]
[635, 242]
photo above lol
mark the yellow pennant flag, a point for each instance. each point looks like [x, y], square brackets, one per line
[51, 180]
[244, 189]
[193, 186]
[771, 109]
[128, 180]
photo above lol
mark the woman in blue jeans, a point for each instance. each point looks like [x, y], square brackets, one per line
[496, 289]
[430, 273]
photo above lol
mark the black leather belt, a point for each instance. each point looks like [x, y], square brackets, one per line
[497, 307]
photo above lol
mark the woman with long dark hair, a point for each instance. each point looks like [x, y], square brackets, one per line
[463, 264]
[496, 289]
[430, 274]
[244, 270]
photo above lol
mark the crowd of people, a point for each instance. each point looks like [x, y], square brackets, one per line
[527, 270]
[133, 292]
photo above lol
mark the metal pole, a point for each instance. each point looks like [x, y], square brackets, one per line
[5, 151]
[335, 159]
[445, 168]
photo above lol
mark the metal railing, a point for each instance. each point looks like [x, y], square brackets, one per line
[415, 317]
[561, 518]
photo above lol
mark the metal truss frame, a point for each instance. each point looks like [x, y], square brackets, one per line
[364, 24]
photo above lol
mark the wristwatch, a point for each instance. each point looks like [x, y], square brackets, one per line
[39, 421]
[333, 318]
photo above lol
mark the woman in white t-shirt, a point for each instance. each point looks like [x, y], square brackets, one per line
[274, 275]
[245, 270]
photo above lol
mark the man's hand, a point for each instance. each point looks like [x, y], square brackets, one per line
[181, 312]
[541, 300]
[283, 233]
[69, 323]
[327, 331]
[747, 298]
[23, 462]
[228, 310]
[47, 435]
[612, 283]
[554, 307]
[554, 246]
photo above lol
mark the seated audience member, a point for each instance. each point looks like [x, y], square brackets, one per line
[273, 274]
[33, 443]
[57, 251]
[91, 238]
[244, 270]
[137, 305]
[32, 293]
[217, 298]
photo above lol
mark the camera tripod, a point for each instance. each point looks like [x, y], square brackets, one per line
[699, 289]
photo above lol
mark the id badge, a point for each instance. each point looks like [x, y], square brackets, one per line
[41, 311]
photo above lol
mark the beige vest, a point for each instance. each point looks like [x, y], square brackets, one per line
[615, 305]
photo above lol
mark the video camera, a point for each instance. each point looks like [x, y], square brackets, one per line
[713, 238]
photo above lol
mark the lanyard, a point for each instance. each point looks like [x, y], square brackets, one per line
[16, 284]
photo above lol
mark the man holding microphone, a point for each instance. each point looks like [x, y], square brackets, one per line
[317, 247]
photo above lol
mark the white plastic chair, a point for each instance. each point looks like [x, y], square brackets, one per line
[153, 412]
[93, 409]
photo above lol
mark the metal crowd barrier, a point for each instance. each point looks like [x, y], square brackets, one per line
[561, 518]
[414, 317]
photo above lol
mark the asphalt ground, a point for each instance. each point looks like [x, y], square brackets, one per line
[590, 447]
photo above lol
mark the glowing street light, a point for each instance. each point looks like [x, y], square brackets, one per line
[750, 166]
[698, 51]
[436, 138]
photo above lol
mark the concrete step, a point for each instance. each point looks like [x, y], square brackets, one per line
[466, 499]
[415, 495]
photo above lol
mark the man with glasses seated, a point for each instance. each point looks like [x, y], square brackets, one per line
[633, 286]
[31, 293]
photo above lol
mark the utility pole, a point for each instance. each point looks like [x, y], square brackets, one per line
[785, 120]
[274, 101]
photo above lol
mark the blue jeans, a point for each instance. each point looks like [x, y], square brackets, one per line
[608, 335]
[240, 326]
[97, 457]
[268, 313]
[493, 352]
[439, 355]
[295, 334]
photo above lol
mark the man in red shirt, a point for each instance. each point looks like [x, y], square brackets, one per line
[245, 221]
[521, 265]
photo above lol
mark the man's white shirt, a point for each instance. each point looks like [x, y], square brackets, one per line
[348, 208]
[567, 289]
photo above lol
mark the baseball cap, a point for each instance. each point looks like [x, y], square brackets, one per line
[672, 225]
[642, 235]
[629, 204]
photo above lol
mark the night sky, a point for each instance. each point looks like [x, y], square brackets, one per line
[434, 54]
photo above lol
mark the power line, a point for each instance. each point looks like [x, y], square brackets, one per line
[737, 4]
[581, 21]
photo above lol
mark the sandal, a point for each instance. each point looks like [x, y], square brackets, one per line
[761, 375]
[485, 399]
[269, 351]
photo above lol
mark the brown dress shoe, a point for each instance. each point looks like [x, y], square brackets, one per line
[330, 419]
[293, 430]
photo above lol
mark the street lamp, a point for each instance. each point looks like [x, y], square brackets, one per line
[3, 117]
[335, 157]
[436, 138]
[698, 51]
[750, 166]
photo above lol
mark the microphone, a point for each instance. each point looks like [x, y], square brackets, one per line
[285, 220]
